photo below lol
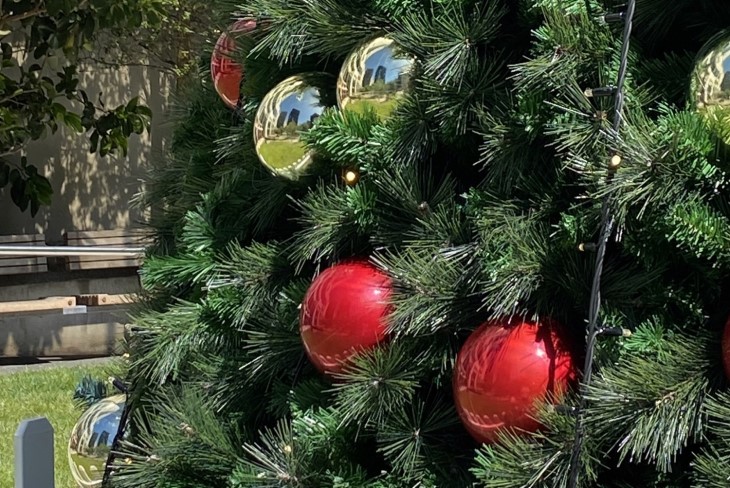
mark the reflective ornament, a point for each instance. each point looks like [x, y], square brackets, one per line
[374, 75]
[503, 369]
[711, 88]
[289, 109]
[226, 72]
[344, 312]
[91, 441]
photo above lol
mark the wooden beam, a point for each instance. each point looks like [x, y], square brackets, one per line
[101, 299]
[50, 303]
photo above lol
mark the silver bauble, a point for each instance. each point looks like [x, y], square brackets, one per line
[374, 75]
[91, 441]
[289, 109]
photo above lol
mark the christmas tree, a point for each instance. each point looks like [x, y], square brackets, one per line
[441, 243]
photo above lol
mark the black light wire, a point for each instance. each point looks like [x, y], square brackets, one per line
[119, 385]
[607, 223]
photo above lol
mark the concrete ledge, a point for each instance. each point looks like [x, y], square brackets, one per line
[77, 331]
[32, 287]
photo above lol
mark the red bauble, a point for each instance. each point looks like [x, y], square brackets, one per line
[502, 371]
[227, 73]
[726, 348]
[344, 312]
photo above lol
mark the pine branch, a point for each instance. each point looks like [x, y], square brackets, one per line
[294, 453]
[173, 338]
[449, 39]
[413, 132]
[272, 343]
[419, 439]
[324, 28]
[182, 443]
[712, 465]
[376, 385]
[454, 107]
[532, 460]
[416, 206]
[656, 418]
[700, 230]
[434, 290]
[335, 221]
[345, 137]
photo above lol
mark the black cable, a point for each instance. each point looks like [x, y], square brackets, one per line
[120, 432]
[606, 229]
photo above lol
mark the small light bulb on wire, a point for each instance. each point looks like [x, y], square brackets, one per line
[351, 176]
[615, 162]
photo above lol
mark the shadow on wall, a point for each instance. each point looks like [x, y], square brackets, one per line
[57, 334]
[90, 192]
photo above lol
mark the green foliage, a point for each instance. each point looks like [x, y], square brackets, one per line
[89, 391]
[534, 460]
[33, 86]
[480, 197]
[655, 419]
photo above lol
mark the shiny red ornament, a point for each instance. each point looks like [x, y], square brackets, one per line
[502, 371]
[726, 349]
[344, 312]
[227, 73]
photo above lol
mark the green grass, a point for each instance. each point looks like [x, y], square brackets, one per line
[46, 393]
[280, 154]
[382, 109]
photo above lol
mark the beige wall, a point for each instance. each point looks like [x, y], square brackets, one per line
[90, 192]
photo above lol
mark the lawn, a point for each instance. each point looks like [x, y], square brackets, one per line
[382, 109]
[280, 154]
[47, 393]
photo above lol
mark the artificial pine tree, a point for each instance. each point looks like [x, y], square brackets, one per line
[481, 196]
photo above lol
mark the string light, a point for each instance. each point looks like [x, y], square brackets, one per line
[615, 162]
[606, 228]
[587, 247]
[351, 176]
[604, 91]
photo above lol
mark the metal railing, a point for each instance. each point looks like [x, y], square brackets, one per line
[31, 251]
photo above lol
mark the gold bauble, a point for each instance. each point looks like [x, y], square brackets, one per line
[91, 441]
[711, 88]
[289, 109]
[374, 75]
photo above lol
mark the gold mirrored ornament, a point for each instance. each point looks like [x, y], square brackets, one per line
[287, 111]
[374, 75]
[711, 88]
[91, 441]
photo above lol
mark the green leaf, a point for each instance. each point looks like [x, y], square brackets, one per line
[34, 207]
[94, 140]
[40, 51]
[106, 146]
[137, 124]
[73, 121]
[132, 104]
[17, 194]
[59, 111]
[143, 110]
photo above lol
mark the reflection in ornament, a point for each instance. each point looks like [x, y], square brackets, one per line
[711, 87]
[374, 75]
[344, 312]
[91, 441]
[226, 72]
[503, 369]
[289, 109]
